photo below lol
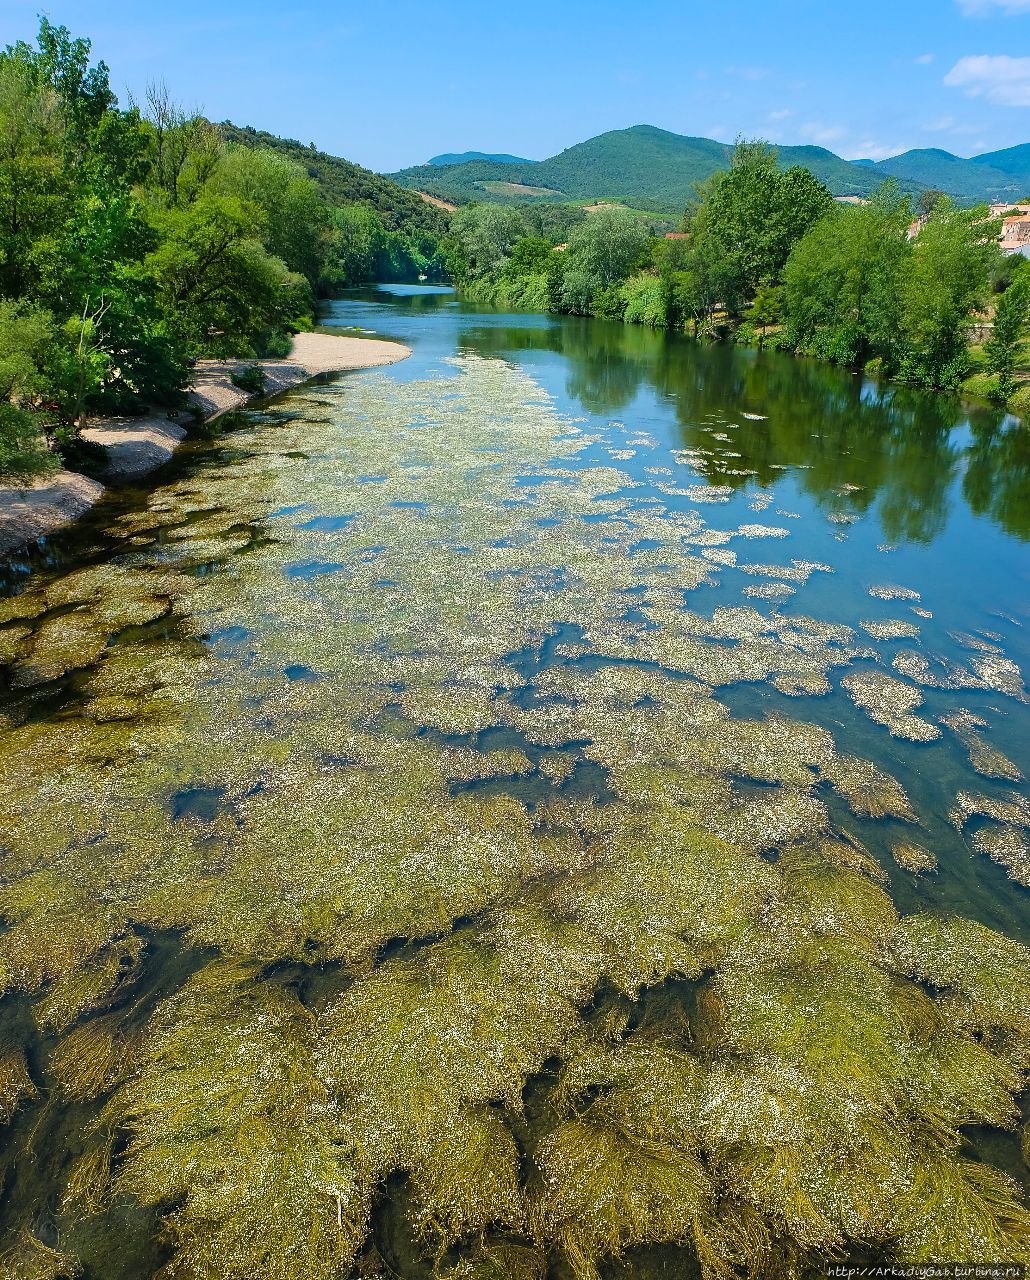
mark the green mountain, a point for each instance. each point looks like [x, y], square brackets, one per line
[980, 178]
[1013, 160]
[653, 169]
[343, 183]
[463, 157]
[644, 166]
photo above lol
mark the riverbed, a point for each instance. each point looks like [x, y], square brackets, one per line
[498, 809]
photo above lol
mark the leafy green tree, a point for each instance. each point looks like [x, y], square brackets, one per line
[946, 282]
[841, 284]
[296, 220]
[748, 220]
[26, 344]
[601, 253]
[34, 181]
[482, 238]
[185, 149]
[217, 284]
[765, 310]
[357, 240]
[1004, 347]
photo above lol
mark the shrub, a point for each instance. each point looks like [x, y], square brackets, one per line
[646, 300]
[275, 344]
[250, 378]
[23, 450]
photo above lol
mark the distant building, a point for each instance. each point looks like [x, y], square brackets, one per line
[676, 235]
[1000, 210]
[851, 200]
[1015, 234]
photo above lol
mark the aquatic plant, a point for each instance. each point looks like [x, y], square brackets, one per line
[638, 989]
[890, 702]
[914, 857]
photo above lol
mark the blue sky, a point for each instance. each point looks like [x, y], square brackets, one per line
[393, 83]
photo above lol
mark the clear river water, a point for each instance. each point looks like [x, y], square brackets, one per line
[488, 816]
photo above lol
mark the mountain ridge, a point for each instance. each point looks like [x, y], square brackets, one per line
[653, 168]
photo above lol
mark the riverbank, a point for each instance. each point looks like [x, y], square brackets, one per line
[137, 446]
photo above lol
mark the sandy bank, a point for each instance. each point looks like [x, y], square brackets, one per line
[136, 446]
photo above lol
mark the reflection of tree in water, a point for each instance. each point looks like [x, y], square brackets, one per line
[608, 362]
[997, 479]
[834, 430]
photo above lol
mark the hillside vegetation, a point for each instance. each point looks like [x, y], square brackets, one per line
[652, 168]
[134, 241]
[976, 179]
[342, 183]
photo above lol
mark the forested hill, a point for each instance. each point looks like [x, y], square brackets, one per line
[642, 166]
[343, 183]
[655, 169]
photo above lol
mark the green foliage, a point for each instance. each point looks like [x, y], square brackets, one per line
[250, 378]
[23, 451]
[482, 239]
[27, 341]
[343, 184]
[293, 212]
[841, 291]
[216, 282]
[749, 219]
[1004, 347]
[646, 300]
[601, 252]
[946, 281]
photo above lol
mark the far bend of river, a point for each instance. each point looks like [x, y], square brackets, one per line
[419, 671]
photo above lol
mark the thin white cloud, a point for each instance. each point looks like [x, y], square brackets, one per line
[980, 8]
[780, 115]
[924, 59]
[1000, 79]
[870, 149]
[822, 135]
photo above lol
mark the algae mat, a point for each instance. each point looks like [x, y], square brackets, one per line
[394, 886]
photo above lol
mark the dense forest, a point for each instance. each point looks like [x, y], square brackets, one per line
[133, 241]
[653, 169]
[768, 257]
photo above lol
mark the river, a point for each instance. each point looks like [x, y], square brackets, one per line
[501, 808]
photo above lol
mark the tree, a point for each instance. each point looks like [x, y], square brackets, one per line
[601, 253]
[217, 284]
[1003, 347]
[26, 343]
[946, 281]
[185, 148]
[841, 284]
[765, 310]
[748, 220]
[34, 181]
[357, 239]
[296, 221]
[482, 238]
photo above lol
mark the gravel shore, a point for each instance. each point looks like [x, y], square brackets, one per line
[136, 446]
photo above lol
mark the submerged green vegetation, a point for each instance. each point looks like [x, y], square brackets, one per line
[391, 889]
[134, 241]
